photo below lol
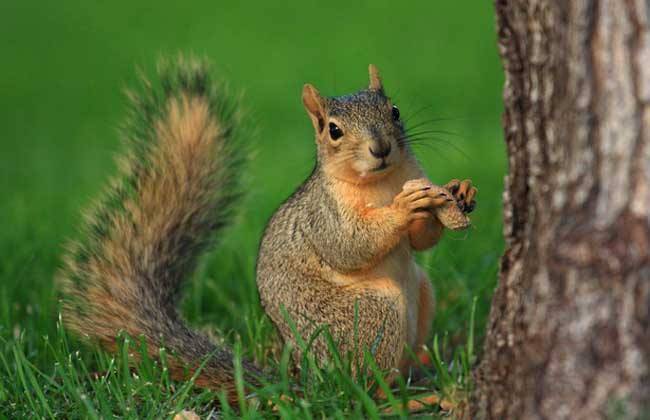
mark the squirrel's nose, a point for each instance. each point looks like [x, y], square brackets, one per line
[380, 151]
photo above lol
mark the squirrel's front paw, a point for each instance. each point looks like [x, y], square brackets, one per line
[464, 193]
[415, 201]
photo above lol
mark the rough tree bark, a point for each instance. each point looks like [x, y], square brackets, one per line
[569, 329]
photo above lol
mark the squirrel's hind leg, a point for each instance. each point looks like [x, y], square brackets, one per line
[426, 307]
[379, 324]
[426, 311]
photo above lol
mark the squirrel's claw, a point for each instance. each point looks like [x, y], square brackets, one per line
[464, 193]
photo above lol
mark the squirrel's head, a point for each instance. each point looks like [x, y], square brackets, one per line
[360, 137]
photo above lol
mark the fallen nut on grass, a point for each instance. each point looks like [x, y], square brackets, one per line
[422, 403]
[187, 415]
[450, 215]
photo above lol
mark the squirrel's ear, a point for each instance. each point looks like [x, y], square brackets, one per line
[314, 105]
[375, 79]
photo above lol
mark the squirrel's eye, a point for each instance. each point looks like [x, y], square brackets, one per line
[335, 132]
[395, 113]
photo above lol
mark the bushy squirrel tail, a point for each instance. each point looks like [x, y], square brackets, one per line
[177, 187]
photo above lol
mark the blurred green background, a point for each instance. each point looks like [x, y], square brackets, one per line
[63, 71]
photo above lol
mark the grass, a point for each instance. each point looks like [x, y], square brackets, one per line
[64, 67]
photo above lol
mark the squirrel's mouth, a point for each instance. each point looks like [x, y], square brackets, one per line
[381, 167]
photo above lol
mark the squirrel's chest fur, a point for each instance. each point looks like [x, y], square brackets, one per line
[397, 270]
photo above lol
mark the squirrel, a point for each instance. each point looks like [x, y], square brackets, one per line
[343, 240]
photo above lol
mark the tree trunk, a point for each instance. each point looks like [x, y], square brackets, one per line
[569, 329]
